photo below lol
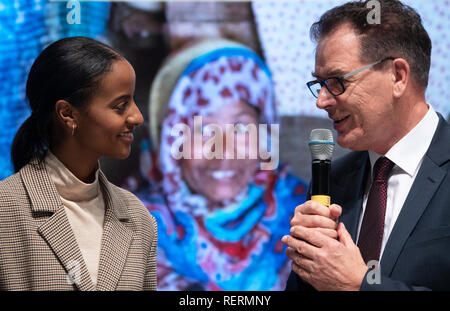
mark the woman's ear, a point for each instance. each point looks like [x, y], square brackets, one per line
[401, 76]
[65, 114]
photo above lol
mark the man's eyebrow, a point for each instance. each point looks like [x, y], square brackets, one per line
[314, 74]
[332, 73]
[336, 73]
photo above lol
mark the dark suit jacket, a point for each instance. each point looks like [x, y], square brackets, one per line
[417, 254]
[38, 249]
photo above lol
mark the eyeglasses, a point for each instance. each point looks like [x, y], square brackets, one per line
[335, 85]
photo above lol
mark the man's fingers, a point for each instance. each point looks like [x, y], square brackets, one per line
[310, 235]
[301, 247]
[344, 235]
[335, 211]
[315, 221]
[314, 215]
[299, 260]
[313, 208]
[332, 233]
[301, 272]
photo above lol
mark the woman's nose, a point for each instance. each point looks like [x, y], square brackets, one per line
[135, 116]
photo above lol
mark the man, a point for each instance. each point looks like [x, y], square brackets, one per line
[392, 193]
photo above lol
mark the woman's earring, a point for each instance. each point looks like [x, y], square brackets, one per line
[73, 128]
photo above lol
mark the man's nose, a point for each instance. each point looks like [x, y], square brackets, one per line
[325, 99]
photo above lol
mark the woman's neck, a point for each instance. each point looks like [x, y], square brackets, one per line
[80, 164]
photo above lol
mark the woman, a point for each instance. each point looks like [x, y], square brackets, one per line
[220, 219]
[63, 226]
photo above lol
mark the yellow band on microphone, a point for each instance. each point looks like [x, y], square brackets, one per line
[324, 199]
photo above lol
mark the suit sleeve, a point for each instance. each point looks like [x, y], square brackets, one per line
[296, 283]
[150, 271]
[388, 284]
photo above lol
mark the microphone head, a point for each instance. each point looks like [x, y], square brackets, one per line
[321, 144]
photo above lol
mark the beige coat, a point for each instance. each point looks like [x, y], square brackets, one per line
[38, 249]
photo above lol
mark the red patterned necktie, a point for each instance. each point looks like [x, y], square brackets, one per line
[372, 228]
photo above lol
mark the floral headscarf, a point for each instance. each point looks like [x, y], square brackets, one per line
[235, 246]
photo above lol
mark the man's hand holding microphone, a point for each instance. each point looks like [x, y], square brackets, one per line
[321, 249]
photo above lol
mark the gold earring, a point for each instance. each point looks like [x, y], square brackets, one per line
[73, 128]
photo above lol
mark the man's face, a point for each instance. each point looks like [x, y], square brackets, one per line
[364, 114]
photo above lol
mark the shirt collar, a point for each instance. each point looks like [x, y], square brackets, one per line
[408, 152]
[67, 184]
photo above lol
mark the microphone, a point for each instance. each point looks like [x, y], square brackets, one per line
[321, 145]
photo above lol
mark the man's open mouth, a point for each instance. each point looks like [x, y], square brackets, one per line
[336, 121]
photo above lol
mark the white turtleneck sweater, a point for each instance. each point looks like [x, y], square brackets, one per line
[85, 209]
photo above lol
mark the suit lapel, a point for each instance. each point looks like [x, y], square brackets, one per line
[427, 181]
[56, 230]
[425, 185]
[116, 238]
[350, 194]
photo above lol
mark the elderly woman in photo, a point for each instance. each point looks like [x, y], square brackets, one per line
[220, 218]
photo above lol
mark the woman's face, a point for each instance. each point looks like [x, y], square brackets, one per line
[106, 127]
[223, 179]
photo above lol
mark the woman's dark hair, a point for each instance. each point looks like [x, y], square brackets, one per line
[69, 69]
[400, 33]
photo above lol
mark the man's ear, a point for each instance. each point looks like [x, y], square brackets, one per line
[66, 114]
[401, 76]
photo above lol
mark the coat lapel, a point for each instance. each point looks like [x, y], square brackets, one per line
[59, 236]
[427, 181]
[116, 238]
[56, 230]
